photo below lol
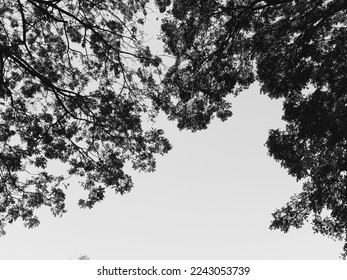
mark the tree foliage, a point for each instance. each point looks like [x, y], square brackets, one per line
[83, 258]
[76, 80]
[297, 51]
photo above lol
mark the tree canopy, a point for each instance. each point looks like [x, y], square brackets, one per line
[297, 51]
[76, 80]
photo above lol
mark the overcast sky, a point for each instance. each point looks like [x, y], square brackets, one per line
[211, 198]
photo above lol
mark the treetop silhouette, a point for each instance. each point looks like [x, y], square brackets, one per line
[76, 80]
[297, 51]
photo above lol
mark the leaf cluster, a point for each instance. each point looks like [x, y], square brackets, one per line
[70, 91]
[297, 51]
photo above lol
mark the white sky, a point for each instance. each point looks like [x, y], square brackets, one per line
[211, 198]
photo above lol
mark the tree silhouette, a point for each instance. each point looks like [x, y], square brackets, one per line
[75, 82]
[83, 258]
[297, 51]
